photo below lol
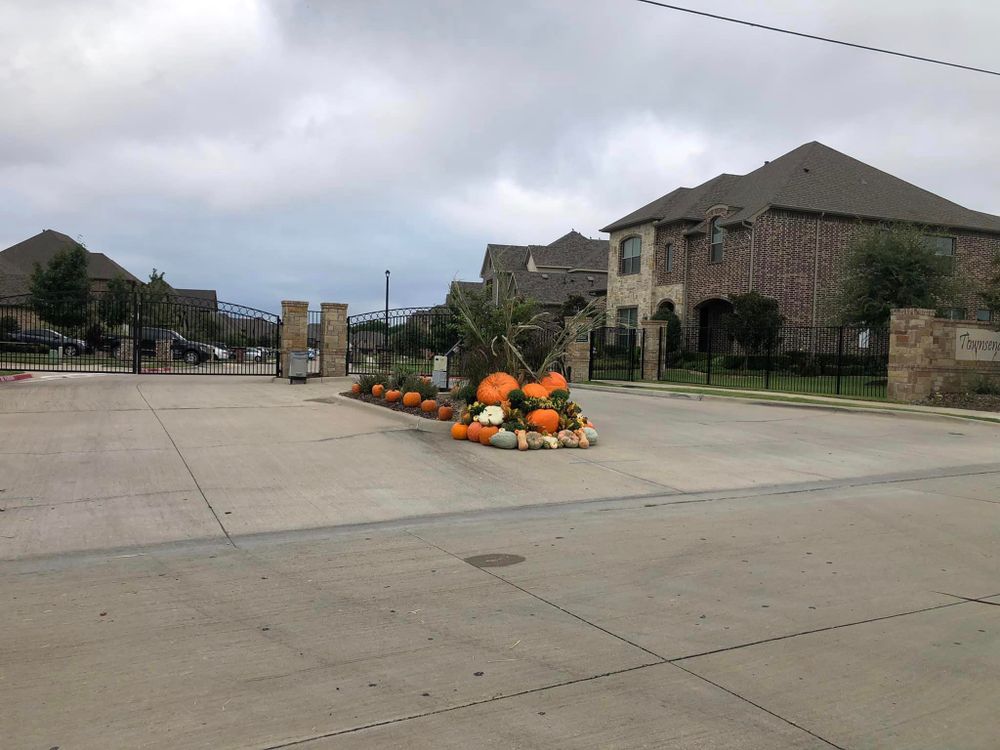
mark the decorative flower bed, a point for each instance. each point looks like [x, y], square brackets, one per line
[406, 393]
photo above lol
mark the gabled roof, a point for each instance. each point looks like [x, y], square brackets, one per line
[504, 258]
[572, 250]
[206, 297]
[814, 178]
[46, 244]
[556, 288]
[12, 279]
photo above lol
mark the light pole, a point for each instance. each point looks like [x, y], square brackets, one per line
[387, 306]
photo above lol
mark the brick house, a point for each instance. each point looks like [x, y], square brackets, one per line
[780, 230]
[572, 265]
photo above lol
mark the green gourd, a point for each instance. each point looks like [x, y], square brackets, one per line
[504, 439]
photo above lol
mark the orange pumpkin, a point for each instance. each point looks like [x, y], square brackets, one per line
[445, 413]
[544, 420]
[459, 431]
[553, 381]
[356, 388]
[473, 432]
[486, 433]
[393, 396]
[493, 389]
[535, 390]
[428, 405]
[377, 390]
[411, 399]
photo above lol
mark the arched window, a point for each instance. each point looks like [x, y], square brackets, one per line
[630, 256]
[718, 238]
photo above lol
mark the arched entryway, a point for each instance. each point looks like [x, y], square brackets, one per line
[712, 314]
[666, 305]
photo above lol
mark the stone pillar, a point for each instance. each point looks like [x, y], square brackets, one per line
[578, 356]
[651, 347]
[911, 350]
[294, 330]
[333, 339]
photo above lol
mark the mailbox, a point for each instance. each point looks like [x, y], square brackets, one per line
[439, 375]
[298, 366]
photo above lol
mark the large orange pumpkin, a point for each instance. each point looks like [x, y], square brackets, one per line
[428, 405]
[473, 432]
[459, 431]
[377, 390]
[493, 389]
[445, 413]
[486, 433]
[535, 390]
[553, 381]
[411, 399]
[356, 388]
[393, 395]
[544, 420]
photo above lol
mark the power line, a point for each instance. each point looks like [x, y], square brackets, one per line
[817, 38]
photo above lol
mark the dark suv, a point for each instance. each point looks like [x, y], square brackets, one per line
[180, 348]
[52, 339]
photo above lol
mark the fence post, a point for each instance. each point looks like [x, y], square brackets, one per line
[578, 354]
[590, 360]
[840, 355]
[136, 332]
[767, 367]
[294, 329]
[659, 355]
[708, 368]
[333, 341]
[642, 355]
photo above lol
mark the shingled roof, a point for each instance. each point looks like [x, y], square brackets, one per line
[814, 178]
[572, 250]
[555, 288]
[42, 247]
[12, 280]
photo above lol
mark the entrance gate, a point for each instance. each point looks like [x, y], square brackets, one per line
[130, 332]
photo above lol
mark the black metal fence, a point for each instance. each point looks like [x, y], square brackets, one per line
[616, 353]
[827, 360]
[400, 340]
[314, 340]
[128, 332]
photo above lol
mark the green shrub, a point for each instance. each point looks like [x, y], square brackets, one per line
[368, 381]
[986, 386]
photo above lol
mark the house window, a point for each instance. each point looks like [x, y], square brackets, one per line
[940, 245]
[953, 313]
[628, 317]
[668, 261]
[718, 237]
[984, 314]
[631, 254]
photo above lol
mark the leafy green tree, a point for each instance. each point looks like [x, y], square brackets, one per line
[991, 294]
[157, 296]
[889, 268]
[60, 292]
[573, 304]
[755, 322]
[672, 334]
[115, 304]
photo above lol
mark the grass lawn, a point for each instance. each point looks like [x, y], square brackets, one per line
[10, 372]
[854, 386]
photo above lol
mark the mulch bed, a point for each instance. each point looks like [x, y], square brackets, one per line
[977, 401]
[442, 400]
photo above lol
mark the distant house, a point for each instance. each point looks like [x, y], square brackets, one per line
[207, 298]
[18, 261]
[572, 265]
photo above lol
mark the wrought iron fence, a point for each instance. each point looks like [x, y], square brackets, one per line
[827, 360]
[129, 332]
[314, 340]
[616, 353]
[400, 340]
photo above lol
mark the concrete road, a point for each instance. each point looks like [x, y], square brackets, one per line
[219, 564]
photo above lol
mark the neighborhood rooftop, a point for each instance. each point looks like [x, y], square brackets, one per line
[814, 178]
[44, 246]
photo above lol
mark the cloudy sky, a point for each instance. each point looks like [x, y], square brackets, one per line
[298, 149]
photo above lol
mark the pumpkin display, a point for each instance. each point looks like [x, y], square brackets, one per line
[445, 413]
[493, 389]
[534, 440]
[522, 440]
[472, 432]
[491, 415]
[591, 434]
[535, 390]
[411, 399]
[544, 420]
[486, 432]
[567, 439]
[378, 390]
[393, 396]
[356, 388]
[550, 442]
[503, 439]
[428, 405]
[466, 418]
[581, 436]
[459, 431]
[553, 381]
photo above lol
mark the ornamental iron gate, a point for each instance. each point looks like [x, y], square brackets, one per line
[405, 339]
[616, 353]
[128, 332]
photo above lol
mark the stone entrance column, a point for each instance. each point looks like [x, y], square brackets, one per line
[578, 357]
[333, 339]
[294, 329]
[651, 348]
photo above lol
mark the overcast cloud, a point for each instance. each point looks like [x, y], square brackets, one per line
[295, 150]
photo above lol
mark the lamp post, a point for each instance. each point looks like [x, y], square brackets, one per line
[387, 306]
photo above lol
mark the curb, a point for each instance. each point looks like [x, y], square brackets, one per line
[883, 411]
[416, 423]
[15, 378]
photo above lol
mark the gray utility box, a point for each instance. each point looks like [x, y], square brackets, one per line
[439, 375]
[298, 367]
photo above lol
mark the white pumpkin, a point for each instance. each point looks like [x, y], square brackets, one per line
[491, 415]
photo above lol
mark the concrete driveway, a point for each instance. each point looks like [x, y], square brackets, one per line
[216, 563]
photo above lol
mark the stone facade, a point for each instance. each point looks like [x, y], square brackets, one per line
[577, 357]
[333, 339]
[923, 356]
[294, 329]
[794, 257]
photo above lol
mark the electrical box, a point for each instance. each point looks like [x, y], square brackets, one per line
[439, 375]
[298, 367]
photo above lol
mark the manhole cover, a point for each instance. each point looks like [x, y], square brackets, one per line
[494, 560]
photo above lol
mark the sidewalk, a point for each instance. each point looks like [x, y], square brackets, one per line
[778, 397]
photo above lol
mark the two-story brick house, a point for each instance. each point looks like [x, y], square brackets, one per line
[781, 230]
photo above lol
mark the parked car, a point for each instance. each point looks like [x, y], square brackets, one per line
[192, 352]
[53, 339]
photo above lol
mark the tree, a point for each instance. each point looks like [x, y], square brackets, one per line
[756, 321]
[572, 305]
[60, 292]
[672, 332]
[892, 267]
[991, 294]
[157, 295]
[116, 303]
